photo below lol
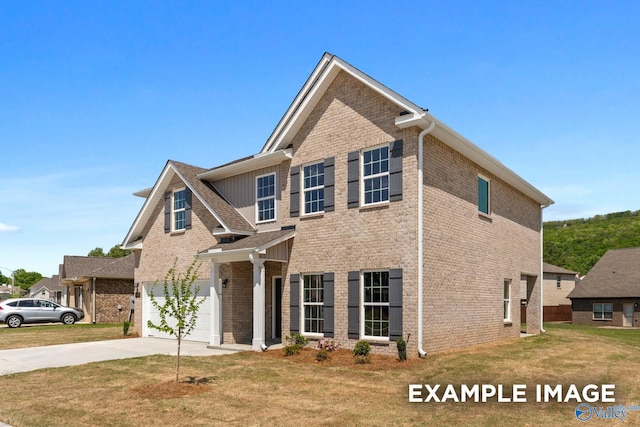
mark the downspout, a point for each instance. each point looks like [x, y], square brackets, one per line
[542, 331]
[93, 297]
[424, 133]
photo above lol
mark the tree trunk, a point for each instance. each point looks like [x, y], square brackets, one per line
[178, 360]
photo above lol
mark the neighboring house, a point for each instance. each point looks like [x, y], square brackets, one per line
[101, 287]
[363, 217]
[6, 291]
[610, 292]
[557, 283]
[47, 288]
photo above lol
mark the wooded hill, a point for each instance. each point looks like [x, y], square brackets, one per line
[578, 244]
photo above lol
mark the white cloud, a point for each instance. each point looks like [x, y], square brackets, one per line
[7, 228]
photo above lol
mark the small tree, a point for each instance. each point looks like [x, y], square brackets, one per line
[179, 312]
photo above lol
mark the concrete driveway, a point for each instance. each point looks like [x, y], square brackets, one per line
[55, 356]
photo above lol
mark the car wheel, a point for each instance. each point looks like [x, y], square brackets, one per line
[14, 321]
[68, 319]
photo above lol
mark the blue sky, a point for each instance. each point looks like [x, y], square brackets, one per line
[95, 96]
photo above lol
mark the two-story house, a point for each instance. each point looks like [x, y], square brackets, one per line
[363, 217]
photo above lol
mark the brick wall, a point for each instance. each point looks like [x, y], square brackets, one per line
[582, 311]
[110, 293]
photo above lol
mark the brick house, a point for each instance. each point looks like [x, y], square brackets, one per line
[362, 217]
[100, 286]
[610, 292]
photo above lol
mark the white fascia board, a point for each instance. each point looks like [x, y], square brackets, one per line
[152, 199]
[313, 90]
[486, 161]
[258, 161]
[225, 232]
[144, 193]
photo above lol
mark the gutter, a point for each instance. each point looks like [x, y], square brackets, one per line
[93, 294]
[425, 132]
[542, 207]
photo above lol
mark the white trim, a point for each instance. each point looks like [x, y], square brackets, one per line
[259, 161]
[506, 284]
[373, 176]
[274, 197]
[302, 305]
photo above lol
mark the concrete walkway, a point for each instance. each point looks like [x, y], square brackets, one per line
[55, 356]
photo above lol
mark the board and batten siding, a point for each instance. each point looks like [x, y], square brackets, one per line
[240, 191]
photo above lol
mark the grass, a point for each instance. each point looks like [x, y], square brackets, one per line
[38, 335]
[259, 389]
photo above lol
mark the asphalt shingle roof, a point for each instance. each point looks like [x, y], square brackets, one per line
[554, 269]
[616, 275]
[86, 266]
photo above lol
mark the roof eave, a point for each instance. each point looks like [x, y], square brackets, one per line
[261, 160]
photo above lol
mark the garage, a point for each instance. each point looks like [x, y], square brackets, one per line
[202, 331]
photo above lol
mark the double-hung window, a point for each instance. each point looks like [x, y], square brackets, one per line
[506, 299]
[484, 195]
[266, 197]
[313, 298]
[375, 175]
[375, 302]
[558, 282]
[179, 205]
[603, 311]
[313, 187]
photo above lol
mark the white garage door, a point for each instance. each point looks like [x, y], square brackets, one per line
[202, 331]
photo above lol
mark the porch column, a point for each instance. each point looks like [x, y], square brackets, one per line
[258, 342]
[215, 294]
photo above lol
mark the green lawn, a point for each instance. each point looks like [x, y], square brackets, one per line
[251, 389]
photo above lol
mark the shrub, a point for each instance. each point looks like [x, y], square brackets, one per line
[295, 344]
[361, 352]
[328, 345]
[401, 344]
[322, 354]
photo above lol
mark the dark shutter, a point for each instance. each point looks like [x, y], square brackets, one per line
[328, 184]
[294, 184]
[167, 212]
[327, 308]
[395, 171]
[294, 303]
[353, 305]
[353, 179]
[395, 304]
[188, 196]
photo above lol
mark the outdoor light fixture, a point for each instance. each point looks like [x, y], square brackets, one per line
[137, 290]
[224, 282]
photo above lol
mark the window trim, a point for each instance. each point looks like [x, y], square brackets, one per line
[488, 181]
[506, 300]
[259, 199]
[363, 304]
[603, 311]
[174, 211]
[303, 304]
[304, 190]
[362, 178]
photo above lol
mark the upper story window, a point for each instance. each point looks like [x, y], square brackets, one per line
[484, 195]
[313, 187]
[558, 282]
[375, 175]
[266, 197]
[179, 207]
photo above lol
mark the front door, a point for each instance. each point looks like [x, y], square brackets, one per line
[628, 315]
[78, 296]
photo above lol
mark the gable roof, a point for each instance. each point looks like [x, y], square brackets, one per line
[322, 77]
[554, 269]
[83, 267]
[226, 215]
[615, 275]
